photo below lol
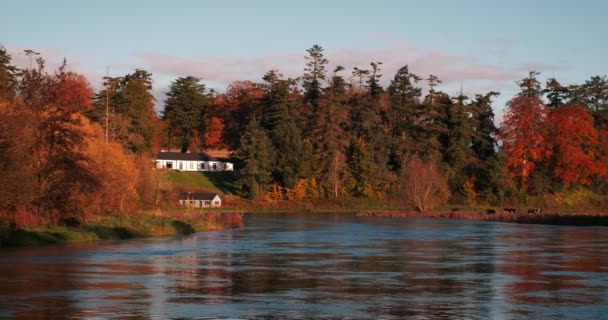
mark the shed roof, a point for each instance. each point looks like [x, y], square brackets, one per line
[197, 196]
[183, 156]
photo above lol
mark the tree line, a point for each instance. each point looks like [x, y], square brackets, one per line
[329, 134]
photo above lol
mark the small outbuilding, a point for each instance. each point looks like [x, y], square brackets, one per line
[200, 200]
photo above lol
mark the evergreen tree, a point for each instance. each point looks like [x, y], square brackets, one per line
[330, 139]
[431, 123]
[402, 111]
[530, 86]
[293, 154]
[133, 121]
[361, 168]
[373, 81]
[484, 136]
[256, 153]
[314, 73]
[593, 95]
[8, 76]
[185, 109]
[556, 93]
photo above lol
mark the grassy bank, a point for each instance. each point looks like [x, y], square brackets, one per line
[550, 218]
[117, 227]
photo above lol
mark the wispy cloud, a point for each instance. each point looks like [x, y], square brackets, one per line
[451, 68]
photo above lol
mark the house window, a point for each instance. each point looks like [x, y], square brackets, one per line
[191, 165]
[214, 166]
[225, 166]
[181, 166]
[217, 203]
[207, 202]
[169, 165]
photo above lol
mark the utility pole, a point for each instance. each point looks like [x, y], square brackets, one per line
[107, 100]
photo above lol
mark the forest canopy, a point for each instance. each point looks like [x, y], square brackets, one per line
[330, 134]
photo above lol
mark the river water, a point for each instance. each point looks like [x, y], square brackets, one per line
[319, 266]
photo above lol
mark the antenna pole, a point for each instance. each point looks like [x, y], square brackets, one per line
[107, 100]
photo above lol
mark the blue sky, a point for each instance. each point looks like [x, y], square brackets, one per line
[485, 45]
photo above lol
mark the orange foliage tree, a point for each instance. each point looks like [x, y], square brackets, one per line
[213, 133]
[524, 134]
[423, 185]
[576, 146]
[236, 108]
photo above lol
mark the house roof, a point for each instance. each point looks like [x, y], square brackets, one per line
[197, 196]
[183, 156]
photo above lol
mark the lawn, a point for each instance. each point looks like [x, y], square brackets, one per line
[221, 182]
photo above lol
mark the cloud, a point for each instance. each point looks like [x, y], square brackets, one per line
[219, 71]
[53, 59]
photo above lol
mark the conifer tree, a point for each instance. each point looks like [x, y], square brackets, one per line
[256, 153]
[185, 108]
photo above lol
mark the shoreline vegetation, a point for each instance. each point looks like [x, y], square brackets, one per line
[78, 164]
[119, 227]
[548, 218]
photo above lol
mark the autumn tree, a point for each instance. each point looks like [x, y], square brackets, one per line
[423, 185]
[185, 108]
[524, 132]
[575, 146]
[236, 108]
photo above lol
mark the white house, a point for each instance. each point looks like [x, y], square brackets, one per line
[191, 162]
[200, 200]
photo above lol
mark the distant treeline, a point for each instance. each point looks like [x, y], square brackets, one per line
[329, 134]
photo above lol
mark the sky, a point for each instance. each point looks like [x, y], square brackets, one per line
[480, 46]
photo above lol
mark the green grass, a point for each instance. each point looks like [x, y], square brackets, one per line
[221, 182]
[116, 227]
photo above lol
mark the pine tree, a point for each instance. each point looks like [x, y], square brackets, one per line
[361, 168]
[556, 93]
[314, 73]
[8, 76]
[256, 153]
[293, 153]
[402, 111]
[185, 109]
[484, 136]
[593, 95]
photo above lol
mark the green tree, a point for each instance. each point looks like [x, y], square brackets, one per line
[256, 152]
[593, 95]
[361, 168]
[8, 76]
[530, 86]
[185, 109]
[137, 119]
[293, 158]
[557, 94]
[484, 135]
[431, 123]
[314, 73]
[330, 140]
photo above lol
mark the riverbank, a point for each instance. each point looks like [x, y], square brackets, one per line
[549, 218]
[119, 227]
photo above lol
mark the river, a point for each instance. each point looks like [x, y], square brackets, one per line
[319, 266]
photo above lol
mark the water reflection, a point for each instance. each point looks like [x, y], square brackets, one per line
[320, 267]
